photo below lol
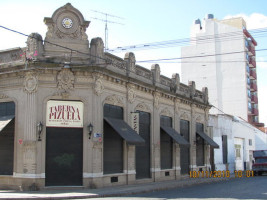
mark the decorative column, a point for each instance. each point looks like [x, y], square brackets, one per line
[193, 138]
[30, 125]
[177, 146]
[156, 136]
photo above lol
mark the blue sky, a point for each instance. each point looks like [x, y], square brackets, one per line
[144, 21]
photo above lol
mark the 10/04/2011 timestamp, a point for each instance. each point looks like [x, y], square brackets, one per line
[221, 174]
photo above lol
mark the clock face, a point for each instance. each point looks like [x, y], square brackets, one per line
[67, 23]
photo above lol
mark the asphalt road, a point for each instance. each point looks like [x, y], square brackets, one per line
[237, 188]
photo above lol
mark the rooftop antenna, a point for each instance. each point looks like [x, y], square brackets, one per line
[106, 23]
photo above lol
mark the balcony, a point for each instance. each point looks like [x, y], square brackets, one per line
[247, 34]
[252, 74]
[254, 99]
[252, 62]
[253, 87]
[255, 111]
[251, 50]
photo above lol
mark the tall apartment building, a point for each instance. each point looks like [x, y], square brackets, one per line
[222, 57]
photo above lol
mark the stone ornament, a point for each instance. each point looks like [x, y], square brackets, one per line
[99, 88]
[65, 79]
[156, 99]
[114, 100]
[185, 115]
[143, 107]
[166, 112]
[30, 82]
[3, 96]
[131, 94]
[200, 118]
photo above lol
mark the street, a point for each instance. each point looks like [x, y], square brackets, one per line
[237, 188]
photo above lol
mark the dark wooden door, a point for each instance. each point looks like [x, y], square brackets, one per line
[113, 142]
[166, 144]
[143, 152]
[7, 139]
[64, 156]
[185, 150]
[199, 145]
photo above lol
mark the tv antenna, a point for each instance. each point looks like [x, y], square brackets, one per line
[106, 15]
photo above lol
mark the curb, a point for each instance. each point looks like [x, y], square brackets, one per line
[114, 191]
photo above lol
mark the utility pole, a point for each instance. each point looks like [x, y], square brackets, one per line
[106, 15]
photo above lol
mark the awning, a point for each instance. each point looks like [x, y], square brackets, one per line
[125, 131]
[4, 121]
[208, 139]
[175, 135]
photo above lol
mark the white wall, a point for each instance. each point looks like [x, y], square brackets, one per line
[224, 76]
[239, 132]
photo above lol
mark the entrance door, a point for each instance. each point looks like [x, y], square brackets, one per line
[166, 144]
[64, 156]
[184, 150]
[143, 152]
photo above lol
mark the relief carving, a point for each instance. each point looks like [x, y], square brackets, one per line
[3, 96]
[156, 99]
[166, 112]
[30, 82]
[131, 95]
[114, 100]
[143, 107]
[65, 79]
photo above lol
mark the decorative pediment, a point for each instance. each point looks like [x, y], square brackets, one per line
[200, 118]
[185, 115]
[3, 96]
[143, 107]
[166, 112]
[114, 100]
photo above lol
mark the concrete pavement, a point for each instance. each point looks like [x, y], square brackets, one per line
[73, 193]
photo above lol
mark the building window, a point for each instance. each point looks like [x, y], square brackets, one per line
[250, 142]
[248, 80]
[238, 151]
[249, 106]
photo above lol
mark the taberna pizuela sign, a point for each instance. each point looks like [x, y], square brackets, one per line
[64, 114]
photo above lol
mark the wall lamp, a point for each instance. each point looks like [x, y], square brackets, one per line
[90, 130]
[39, 129]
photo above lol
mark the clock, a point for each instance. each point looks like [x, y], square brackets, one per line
[67, 23]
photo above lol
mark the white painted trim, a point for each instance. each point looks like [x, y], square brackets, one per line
[129, 171]
[19, 175]
[92, 175]
[177, 168]
[155, 170]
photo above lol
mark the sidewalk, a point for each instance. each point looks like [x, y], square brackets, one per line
[107, 191]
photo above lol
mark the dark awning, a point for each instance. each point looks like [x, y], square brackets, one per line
[174, 135]
[4, 121]
[208, 139]
[125, 131]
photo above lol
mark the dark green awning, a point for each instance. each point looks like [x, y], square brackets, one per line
[208, 139]
[125, 131]
[175, 135]
[4, 121]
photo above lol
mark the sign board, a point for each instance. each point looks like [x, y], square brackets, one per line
[135, 121]
[64, 114]
[97, 135]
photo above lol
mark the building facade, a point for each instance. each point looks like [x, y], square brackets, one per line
[74, 115]
[222, 58]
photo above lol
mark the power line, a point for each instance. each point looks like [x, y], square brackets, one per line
[184, 41]
[201, 56]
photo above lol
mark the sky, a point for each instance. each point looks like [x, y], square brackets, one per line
[144, 21]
